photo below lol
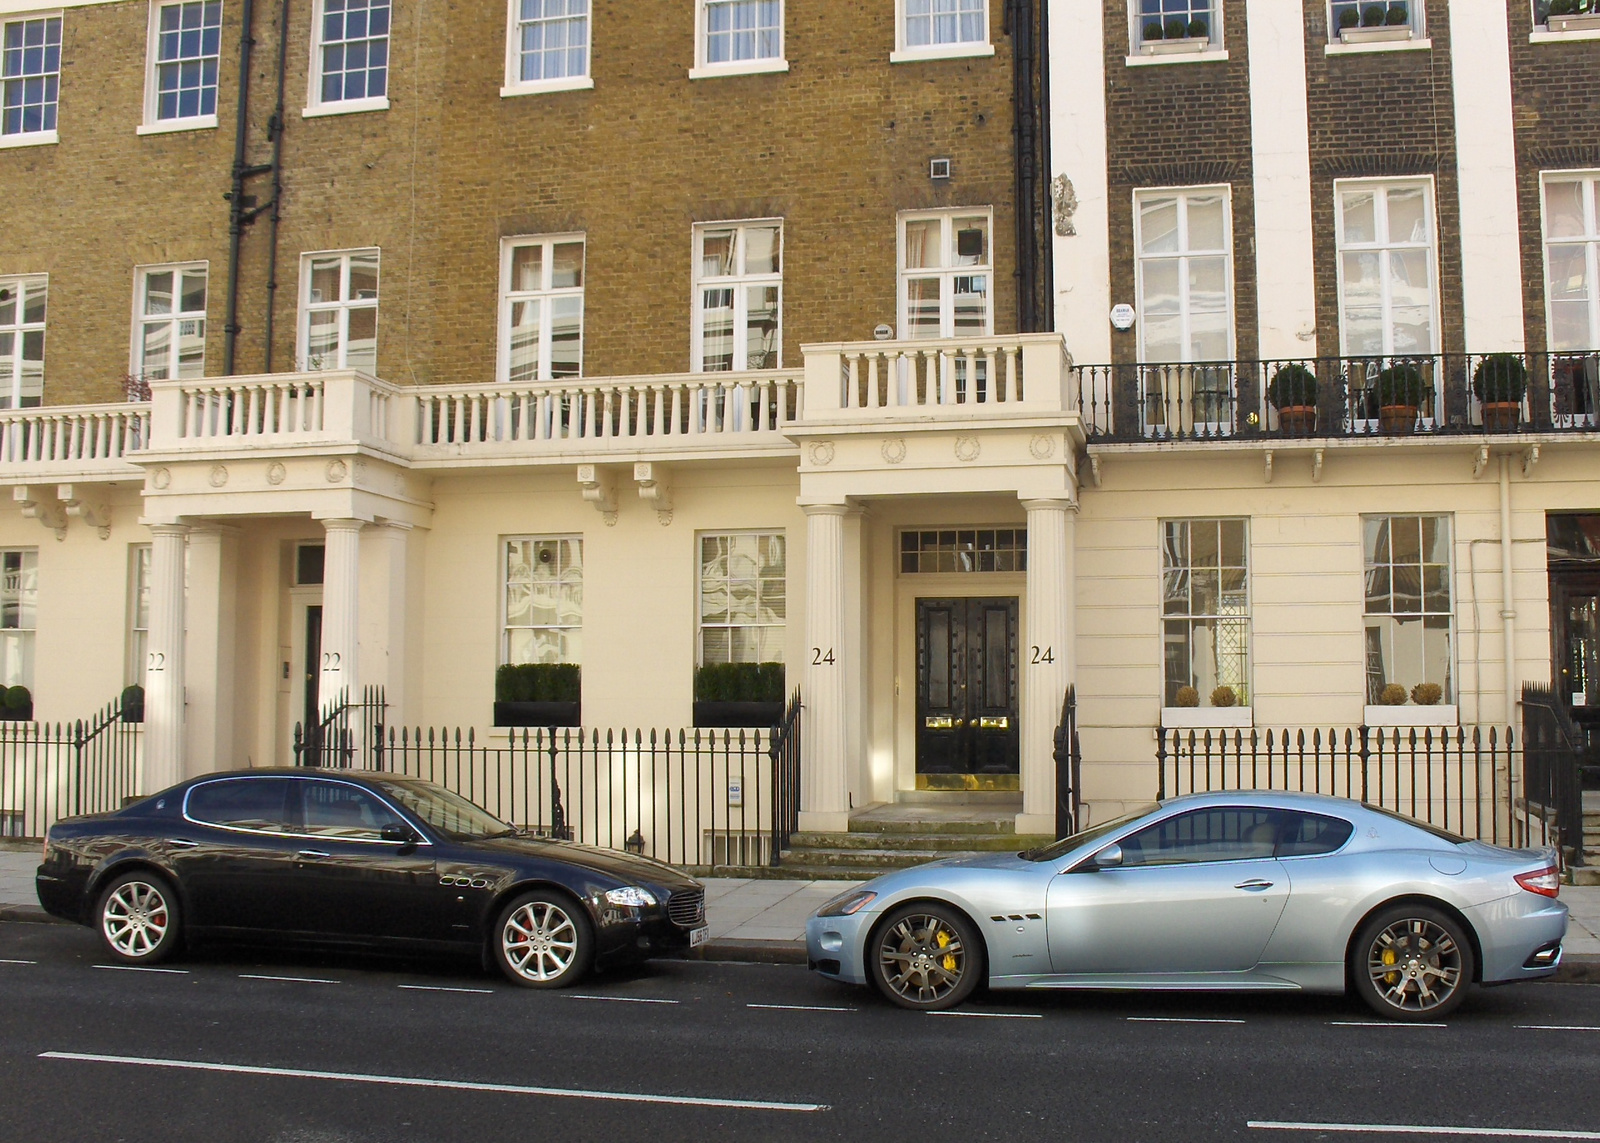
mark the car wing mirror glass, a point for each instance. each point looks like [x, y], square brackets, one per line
[1108, 858]
[404, 835]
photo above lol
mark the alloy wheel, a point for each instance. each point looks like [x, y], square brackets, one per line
[539, 941]
[1415, 965]
[922, 959]
[135, 919]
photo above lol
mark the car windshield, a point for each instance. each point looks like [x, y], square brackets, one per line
[449, 813]
[1056, 848]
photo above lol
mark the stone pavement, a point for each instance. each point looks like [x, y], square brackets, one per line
[763, 919]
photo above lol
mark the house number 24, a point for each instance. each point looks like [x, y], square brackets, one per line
[821, 658]
[1043, 654]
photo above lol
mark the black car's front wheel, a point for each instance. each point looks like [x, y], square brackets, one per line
[138, 918]
[925, 956]
[543, 940]
[1412, 962]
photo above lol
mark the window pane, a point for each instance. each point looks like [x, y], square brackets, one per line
[1360, 216]
[332, 810]
[362, 352]
[363, 277]
[972, 241]
[566, 337]
[1563, 209]
[922, 245]
[325, 280]
[1158, 226]
[158, 293]
[922, 307]
[1204, 835]
[524, 341]
[566, 270]
[716, 253]
[193, 291]
[1207, 222]
[761, 337]
[248, 803]
[761, 250]
[1407, 215]
[527, 272]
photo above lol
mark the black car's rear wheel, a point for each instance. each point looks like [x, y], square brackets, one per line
[1412, 962]
[138, 918]
[925, 957]
[543, 940]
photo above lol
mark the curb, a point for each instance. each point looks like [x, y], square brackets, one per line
[30, 914]
[758, 952]
[1579, 968]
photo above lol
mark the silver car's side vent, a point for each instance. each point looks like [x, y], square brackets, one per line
[997, 918]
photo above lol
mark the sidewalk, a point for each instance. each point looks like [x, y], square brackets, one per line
[765, 920]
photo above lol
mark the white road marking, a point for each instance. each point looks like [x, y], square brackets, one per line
[141, 968]
[454, 1085]
[1381, 1024]
[619, 999]
[18, 962]
[1183, 1020]
[1559, 1027]
[803, 1007]
[442, 988]
[1421, 1129]
[291, 979]
[995, 1015]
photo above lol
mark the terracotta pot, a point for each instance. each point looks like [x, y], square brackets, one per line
[1398, 418]
[1501, 416]
[1297, 420]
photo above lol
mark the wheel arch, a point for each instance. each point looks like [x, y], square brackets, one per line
[498, 903]
[924, 899]
[1440, 904]
[134, 863]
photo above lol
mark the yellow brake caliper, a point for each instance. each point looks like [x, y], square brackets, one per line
[1389, 957]
[949, 960]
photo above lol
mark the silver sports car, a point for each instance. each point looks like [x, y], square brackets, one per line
[1250, 890]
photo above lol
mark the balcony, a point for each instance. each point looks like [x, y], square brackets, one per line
[66, 443]
[1333, 397]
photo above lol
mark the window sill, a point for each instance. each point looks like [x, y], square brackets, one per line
[743, 67]
[169, 126]
[1422, 45]
[1412, 716]
[941, 52]
[1206, 717]
[346, 107]
[1571, 35]
[545, 86]
[1216, 56]
[29, 139]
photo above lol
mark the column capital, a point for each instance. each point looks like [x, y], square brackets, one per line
[829, 509]
[168, 529]
[1048, 503]
[343, 524]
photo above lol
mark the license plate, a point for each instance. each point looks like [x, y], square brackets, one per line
[698, 936]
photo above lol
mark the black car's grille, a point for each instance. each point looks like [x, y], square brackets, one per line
[687, 910]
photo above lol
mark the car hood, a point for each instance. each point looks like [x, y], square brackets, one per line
[625, 867]
[933, 870]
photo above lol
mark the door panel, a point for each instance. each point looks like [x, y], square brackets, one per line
[231, 857]
[1575, 639]
[967, 724]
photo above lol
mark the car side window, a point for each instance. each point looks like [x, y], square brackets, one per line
[257, 804]
[333, 809]
[1217, 833]
[1306, 835]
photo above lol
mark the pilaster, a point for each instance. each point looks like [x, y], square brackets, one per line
[341, 594]
[164, 746]
[824, 781]
[1047, 654]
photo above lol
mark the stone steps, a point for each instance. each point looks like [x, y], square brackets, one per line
[942, 842]
[902, 835]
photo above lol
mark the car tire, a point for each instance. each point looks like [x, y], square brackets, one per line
[139, 918]
[543, 940]
[925, 956]
[1412, 962]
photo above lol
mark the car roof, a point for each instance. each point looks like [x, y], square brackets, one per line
[1286, 799]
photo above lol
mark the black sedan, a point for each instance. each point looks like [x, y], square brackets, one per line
[359, 859]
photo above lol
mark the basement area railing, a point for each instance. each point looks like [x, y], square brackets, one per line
[50, 771]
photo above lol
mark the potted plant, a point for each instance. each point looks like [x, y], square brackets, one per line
[1572, 16]
[1224, 696]
[1174, 34]
[1375, 23]
[1427, 694]
[1186, 697]
[1393, 694]
[538, 694]
[1293, 392]
[132, 704]
[738, 694]
[1499, 383]
[18, 705]
[1400, 390]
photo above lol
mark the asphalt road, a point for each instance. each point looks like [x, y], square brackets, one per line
[249, 1046]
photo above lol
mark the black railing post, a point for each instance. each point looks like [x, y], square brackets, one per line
[1365, 754]
[1161, 763]
[1064, 752]
[558, 814]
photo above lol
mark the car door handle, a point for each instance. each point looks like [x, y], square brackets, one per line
[1254, 883]
[311, 855]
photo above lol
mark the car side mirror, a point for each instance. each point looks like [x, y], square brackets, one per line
[1108, 858]
[403, 835]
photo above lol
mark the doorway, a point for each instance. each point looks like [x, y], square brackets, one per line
[1573, 552]
[967, 725]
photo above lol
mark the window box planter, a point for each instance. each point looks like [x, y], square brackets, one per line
[1175, 47]
[1381, 35]
[1578, 22]
[538, 714]
[735, 715]
[1412, 715]
[132, 704]
[1206, 717]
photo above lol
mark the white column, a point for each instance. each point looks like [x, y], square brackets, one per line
[824, 796]
[164, 675]
[211, 648]
[1047, 656]
[1280, 146]
[1486, 169]
[385, 585]
[341, 591]
[1077, 102]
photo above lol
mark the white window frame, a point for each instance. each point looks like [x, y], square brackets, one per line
[141, 276]
[343, 304]
[1341, 248]
[24, 637]
[315, 104]
[11, 394]
[545, 294]
[139, 557]
[701, 626]
[514, 83]
[1590, 240]
[906, 53]
[47, 135]
[1446, 711]
[1183, 254]
[153, 124]
[737, 282]
[1172, 51]
[1412, 35]
[946, 274]
[1578, 26]
[1205, 714]
[704, 69]
[505, 589]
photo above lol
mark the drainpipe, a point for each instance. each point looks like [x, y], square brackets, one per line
[275, 129]
[1024, 141]
[236, 207]
[1508, 624]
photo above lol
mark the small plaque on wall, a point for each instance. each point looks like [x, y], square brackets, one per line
[1122, 316]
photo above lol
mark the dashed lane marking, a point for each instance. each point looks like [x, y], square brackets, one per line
[1382, 1024]
[453, 1085]
[1422, 1129]
[142, 968]
[995, 1015]
[619, 999]
[443, 988]
[1183, 1020]
[803, 1007]
[289, 979]
[18, 961]
[1559, 1027]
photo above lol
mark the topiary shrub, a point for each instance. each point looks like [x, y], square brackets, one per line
[1501, 378]
[1186, 696]
[1152, 30]
[1373, 15]
[1199, 29]
[1224, 696]
[132, 704]
[1349, 18]
[1292, 386]
[538, 682]
[1563, 7]
[1427, 694]
[1392, 695]
[739, 682]
[1400, 385]
[18, 698]
[1397, 16]
[1176, 28]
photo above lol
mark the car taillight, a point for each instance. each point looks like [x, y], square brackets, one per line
[1546, 882]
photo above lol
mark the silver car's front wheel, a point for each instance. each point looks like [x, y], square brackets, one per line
[926, 957]
[139, 919]
[542, 941]
[1412, 963]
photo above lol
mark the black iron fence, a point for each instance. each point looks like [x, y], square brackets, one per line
[346, 735]
[1469, 780]
[1553, 760]
[49, 771]
[1342, 396]
[1069, 767]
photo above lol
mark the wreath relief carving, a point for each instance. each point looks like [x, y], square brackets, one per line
[967, 449]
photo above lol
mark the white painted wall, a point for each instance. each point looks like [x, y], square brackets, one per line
[1078, 150]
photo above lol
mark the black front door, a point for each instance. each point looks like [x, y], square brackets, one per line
[967, 724]
[1575, 643]
[312, 668]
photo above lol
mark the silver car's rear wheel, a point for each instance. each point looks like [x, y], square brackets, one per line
[926, 957]
[139, 918]
[542, 941]
[1412, 963]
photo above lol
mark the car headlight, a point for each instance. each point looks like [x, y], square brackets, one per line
[847, 904]
[631, 895]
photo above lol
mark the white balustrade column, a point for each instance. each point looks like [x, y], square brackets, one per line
[824, 784]
[164, 674]
[341, 592]
[1047, 655]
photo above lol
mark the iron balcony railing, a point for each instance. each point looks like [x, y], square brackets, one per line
[1440, 393]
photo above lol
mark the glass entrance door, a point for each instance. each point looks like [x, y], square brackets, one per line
[968, 737]
[1575, 615]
